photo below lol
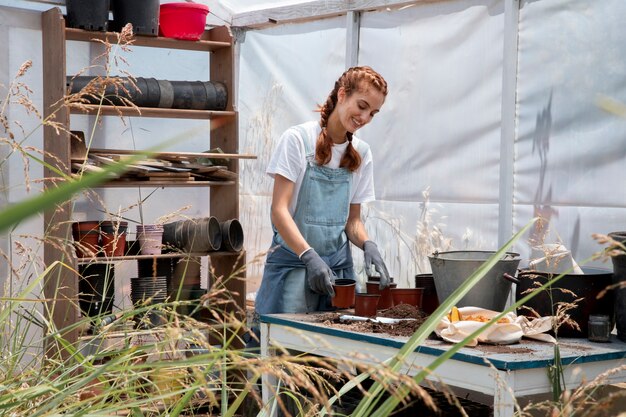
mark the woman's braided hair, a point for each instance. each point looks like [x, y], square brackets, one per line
[351, 81]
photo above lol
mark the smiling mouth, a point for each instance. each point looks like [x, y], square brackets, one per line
[357, 124]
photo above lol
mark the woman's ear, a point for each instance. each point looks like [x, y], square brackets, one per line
[341, 94]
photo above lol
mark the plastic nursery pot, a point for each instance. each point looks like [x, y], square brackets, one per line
[86, 238]
[232, 235]
[366, 305]
[386, 299]
[195, 235]
[430, 301]
[344, 293]
[142, 14]
[411, 296]
[90, 15]
[96, 286]
[113, 237]
[150, 237]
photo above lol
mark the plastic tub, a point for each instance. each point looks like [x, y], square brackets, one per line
[183, 21]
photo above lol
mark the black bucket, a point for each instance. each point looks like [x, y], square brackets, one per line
[90, 15]
[96, 286]
[142, 14]
[619, 280]
[588, 286]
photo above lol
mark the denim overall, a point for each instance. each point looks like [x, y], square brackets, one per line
[321, 214]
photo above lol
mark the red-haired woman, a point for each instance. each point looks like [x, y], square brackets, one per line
[322, 174]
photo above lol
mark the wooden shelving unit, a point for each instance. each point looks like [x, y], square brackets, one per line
[61, 286]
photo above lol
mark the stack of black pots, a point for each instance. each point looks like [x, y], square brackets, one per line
[93, 15]
[150, 92]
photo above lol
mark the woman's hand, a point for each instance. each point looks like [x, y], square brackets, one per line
[318, 273]
[372, 257]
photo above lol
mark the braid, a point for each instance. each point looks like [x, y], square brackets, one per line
[351, 80]
[323, 146]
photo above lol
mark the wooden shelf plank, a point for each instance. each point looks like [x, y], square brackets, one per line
[165, 155]
[72, 34]
[122, 184]
[109, 259]
[92, 109]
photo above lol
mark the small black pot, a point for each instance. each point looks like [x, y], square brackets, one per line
[96, 286]
[142, 14]
[88, 14]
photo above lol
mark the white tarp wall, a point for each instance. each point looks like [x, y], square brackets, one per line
[461, 107]
[498, 128]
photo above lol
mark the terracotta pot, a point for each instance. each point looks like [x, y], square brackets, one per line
[86, 238]
[366, 305]
[113, 237]
[411, 296]
[430, 302]
[344, 293]
[386, 299]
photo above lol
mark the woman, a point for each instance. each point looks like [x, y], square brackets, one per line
[322, 174]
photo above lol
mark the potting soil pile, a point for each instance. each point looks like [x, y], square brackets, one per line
[415, 318]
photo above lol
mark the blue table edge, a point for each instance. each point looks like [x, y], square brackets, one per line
[428, 350]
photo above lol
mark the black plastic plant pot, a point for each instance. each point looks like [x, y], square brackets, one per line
[90, 15]
[96, 285]
[142, 14]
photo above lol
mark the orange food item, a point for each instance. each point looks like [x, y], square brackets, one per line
[454, 315]
[484, 319]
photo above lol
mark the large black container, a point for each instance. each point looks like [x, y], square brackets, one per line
[619, 279]
[587, 286]
[142, 14]
[88, 14]
[96, 286]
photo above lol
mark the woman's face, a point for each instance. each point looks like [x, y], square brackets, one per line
[358, 109]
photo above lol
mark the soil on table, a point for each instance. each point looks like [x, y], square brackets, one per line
[402, 328]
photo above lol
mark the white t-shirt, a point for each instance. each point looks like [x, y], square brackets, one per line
[289, 160]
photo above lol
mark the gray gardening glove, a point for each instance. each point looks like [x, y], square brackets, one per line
[372, 257]
[319, 274]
